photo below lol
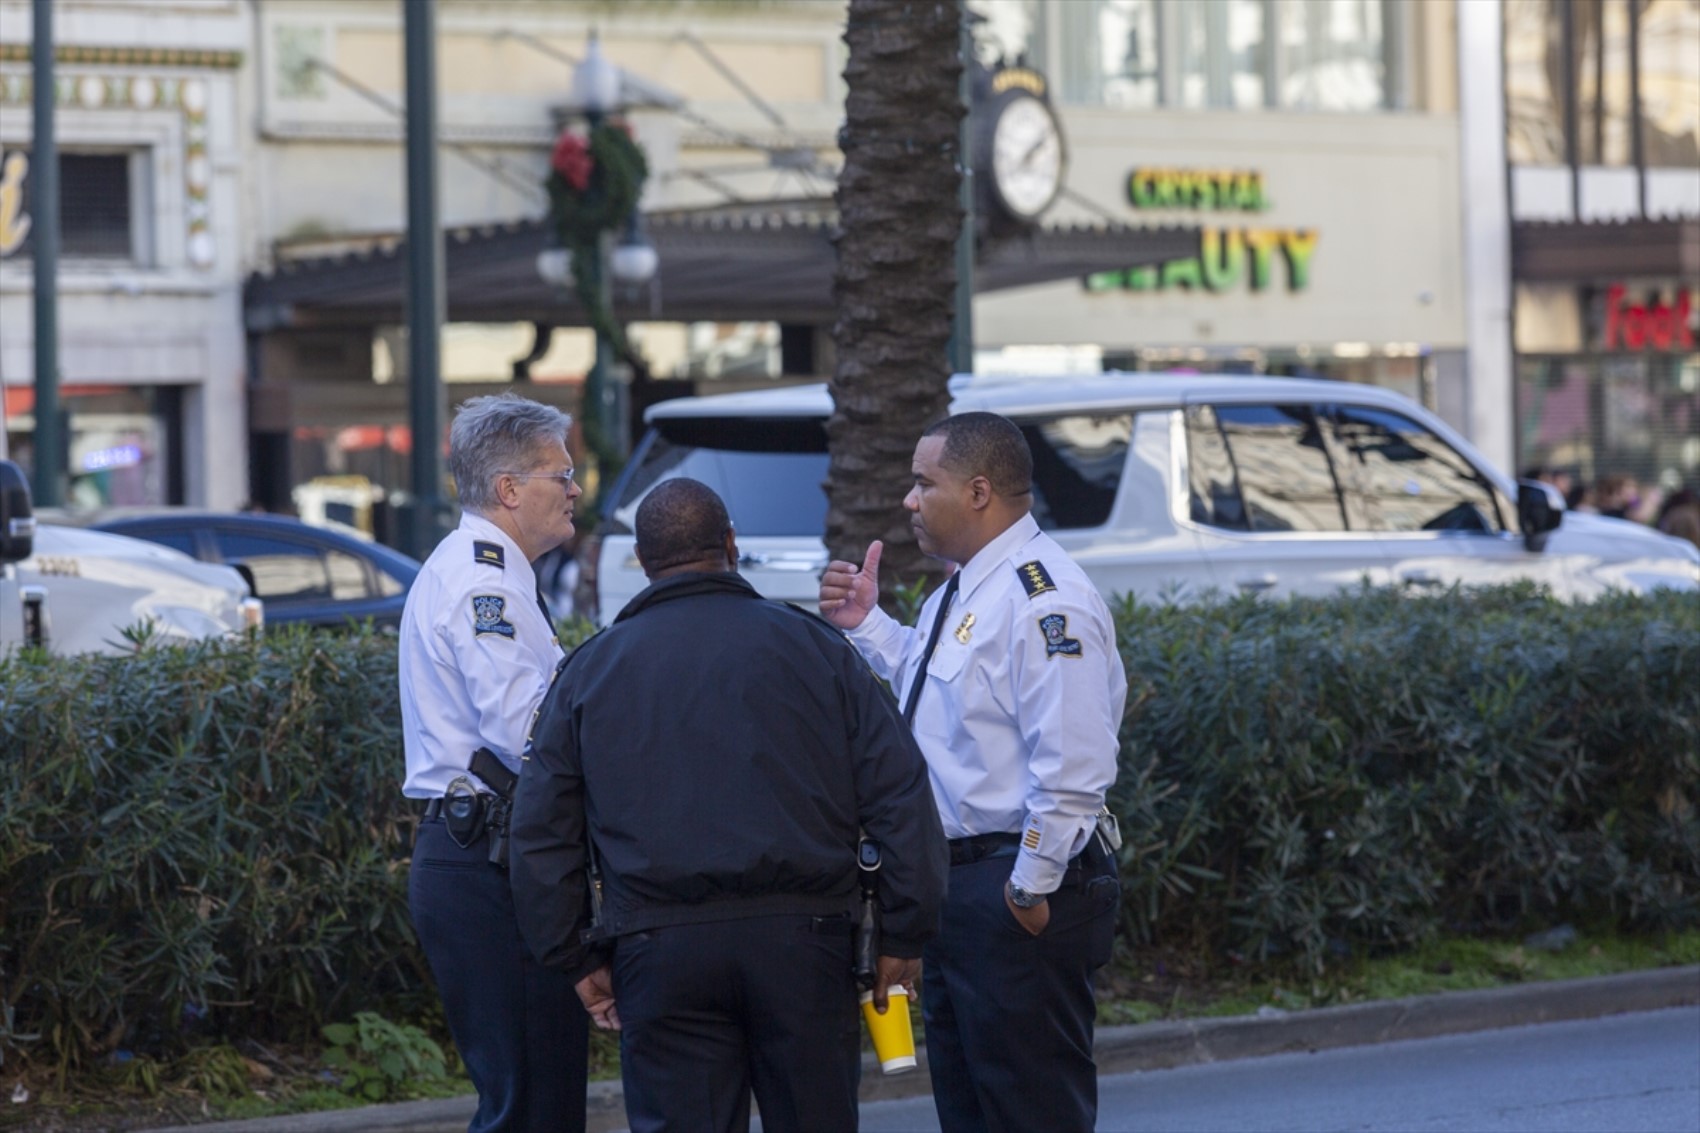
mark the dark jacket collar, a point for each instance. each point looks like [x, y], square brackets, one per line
[687, 585]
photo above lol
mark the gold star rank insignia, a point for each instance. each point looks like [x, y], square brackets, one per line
[962, 631]
[1035, 578]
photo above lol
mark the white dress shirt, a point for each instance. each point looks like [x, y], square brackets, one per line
[1023, 701]
[476, 656]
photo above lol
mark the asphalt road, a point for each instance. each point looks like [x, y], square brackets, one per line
[1621, 1074]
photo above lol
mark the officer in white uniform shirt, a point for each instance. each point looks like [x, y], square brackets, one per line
[1015, 690]
[477, 651]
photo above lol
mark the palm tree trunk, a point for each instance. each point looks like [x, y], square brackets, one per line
[899, 217]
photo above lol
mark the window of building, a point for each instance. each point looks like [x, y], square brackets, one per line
[1224, 53]
[1285, 472]
[1009, 32]
[1534, 82]
[1113, 52]
[1410, 479]
[1670, 83]
[125, 442]
[1077, 467]
[1332, 55]
[1609, 43]
[1603, 92]
[1594, 415]
[96, 207]
[1326, 55]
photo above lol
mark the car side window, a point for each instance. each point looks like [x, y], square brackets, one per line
[1214, 488]
[283, 570]
[347, 575]
[1285, 472]
[1077, 467]
[1411, 479]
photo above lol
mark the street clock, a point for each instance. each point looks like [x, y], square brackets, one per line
[1021, 155]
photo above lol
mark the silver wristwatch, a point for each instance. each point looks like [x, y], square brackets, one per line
[1022, 899]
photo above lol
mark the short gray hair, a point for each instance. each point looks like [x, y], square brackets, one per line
[493, 435]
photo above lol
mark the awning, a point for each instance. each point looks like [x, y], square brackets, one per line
[1592, 251]
[752, 265]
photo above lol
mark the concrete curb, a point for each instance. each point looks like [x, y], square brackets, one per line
[1147, 1046]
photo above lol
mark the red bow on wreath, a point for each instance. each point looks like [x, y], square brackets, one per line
[571, 160]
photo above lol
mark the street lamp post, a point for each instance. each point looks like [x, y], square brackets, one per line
[597, 93]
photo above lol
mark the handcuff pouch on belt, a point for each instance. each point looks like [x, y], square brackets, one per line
[463, 812]
[468, 814]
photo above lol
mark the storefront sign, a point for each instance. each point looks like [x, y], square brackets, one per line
[1227, 257]
[1201, 189]
[1654, 325]
[14, 221]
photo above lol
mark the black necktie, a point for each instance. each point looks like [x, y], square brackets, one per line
[932, 644]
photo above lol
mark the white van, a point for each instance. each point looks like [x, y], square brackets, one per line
[1171, 486]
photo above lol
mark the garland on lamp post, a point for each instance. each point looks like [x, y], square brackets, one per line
[594, 184]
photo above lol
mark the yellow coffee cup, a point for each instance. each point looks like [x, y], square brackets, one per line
[894, 1041]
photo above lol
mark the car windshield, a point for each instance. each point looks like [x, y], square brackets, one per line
[769, 471]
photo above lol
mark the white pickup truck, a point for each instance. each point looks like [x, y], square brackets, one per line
[77, 591]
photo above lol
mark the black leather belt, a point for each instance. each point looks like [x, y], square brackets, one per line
[964, 851]
[972, 849]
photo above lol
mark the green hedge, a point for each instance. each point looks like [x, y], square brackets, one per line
[1314, 777]
[211, 839]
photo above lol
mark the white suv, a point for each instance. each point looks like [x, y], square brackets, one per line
[1170, 486]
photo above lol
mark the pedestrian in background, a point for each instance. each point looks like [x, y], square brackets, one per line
[1016, 694]
[1617, 495]
[477, 651]
[714, 754]
[1679, 515]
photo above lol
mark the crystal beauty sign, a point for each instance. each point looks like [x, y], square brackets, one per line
[1226, 256]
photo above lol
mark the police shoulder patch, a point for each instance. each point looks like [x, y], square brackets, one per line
[487, 610]
[1057, 641]
[1035, 578]
[491, 553]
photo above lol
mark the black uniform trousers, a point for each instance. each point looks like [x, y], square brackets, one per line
[1009, 1014]
[519, 1026]
[710, 1011]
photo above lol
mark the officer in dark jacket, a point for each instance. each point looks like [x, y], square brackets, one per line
[714, 754]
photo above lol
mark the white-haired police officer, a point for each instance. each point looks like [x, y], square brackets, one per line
[478, 649]
[1015, 691]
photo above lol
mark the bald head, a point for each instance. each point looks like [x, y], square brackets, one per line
[682, 525]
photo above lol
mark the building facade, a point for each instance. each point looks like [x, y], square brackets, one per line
[150, 125]
[1363, 173]
[1603, 146]
[1315, 142]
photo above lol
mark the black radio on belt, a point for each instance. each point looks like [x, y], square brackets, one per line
[866, 967]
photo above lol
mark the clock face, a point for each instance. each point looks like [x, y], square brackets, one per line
[1027, 157]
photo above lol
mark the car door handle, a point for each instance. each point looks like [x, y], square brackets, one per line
[1423, 578]
[1255, 583]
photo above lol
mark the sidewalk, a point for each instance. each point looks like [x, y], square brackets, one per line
[1148, 1046]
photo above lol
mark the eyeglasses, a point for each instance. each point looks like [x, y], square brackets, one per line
[564, 479]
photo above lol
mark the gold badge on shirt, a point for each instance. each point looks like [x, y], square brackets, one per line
[963, 631]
